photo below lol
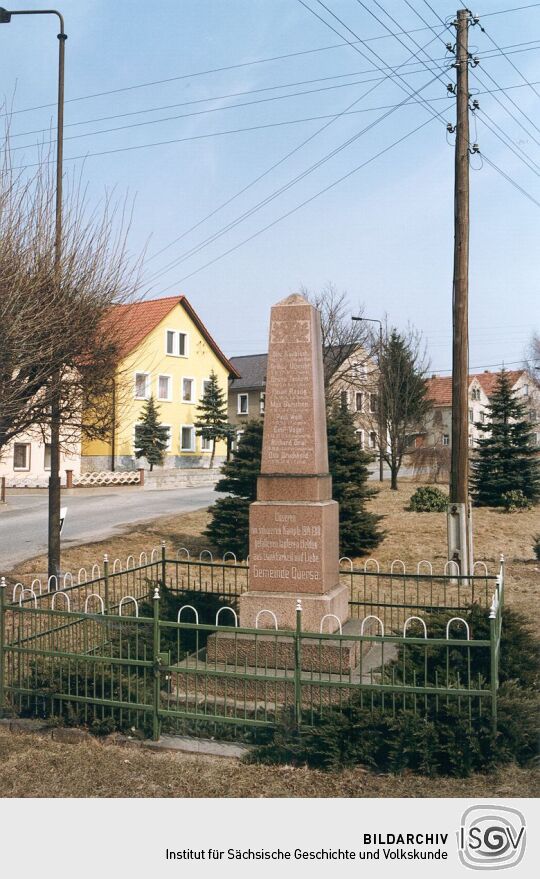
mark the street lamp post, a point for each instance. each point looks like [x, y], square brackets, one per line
[54, 479]
[373, 320]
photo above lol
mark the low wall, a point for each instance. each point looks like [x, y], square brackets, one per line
[188, 478]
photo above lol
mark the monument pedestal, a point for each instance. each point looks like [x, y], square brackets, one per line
[315, 607]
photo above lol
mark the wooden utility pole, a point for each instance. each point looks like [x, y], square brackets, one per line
[459, 530]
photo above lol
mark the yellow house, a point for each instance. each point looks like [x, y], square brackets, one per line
[167, 353]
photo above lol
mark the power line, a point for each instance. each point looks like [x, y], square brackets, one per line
[269, 170]
[211, 109]
[197, 73]
[518, 71]
[487, 54]
[487, 365]
[302, 204]
[284, 188]
[513, 9]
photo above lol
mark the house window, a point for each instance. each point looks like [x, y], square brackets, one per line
[471, 416]
[475, 394]
[164, 387]
[176, 344]
[360, 438]
[372, 440]
[344, 398]
[470, 440]
[188, 385]
[205, 385]
[532, 415]
[261, 402]
[168, 447]
[359, 401]
[243, 404]
[206, 444]
[483, 417]
[21, 456]
[374, 403]
[446, 439]
[525, 390]
[187, 438]
[47, 457]
[142, 385]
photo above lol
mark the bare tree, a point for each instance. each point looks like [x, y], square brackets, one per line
[404, 395]
[532, 358]
[346, 344]
[59, 337]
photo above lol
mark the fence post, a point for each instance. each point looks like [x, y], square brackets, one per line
[494, 670]
[298, 667]
[157, 664]
[163, 565]
[501, 580]
[2, 598]
[106, 579]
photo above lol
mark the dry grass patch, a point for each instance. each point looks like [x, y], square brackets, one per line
[35, 766]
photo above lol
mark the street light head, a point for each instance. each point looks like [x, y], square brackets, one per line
[5, 16]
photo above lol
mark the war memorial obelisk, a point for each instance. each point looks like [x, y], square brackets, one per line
[293, 524]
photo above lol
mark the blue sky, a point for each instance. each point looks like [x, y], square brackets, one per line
[384, 235]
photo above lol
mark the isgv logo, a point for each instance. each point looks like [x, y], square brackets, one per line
[491, 837]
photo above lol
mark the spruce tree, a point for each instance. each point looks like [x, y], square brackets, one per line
[212, 420]
[228, 530]
[505, 458]
[229, 527]
[348, 464]
[151, 437]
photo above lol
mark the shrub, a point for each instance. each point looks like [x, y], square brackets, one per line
[536, 546]
[442, 740]
[515, 500]
[428, 499]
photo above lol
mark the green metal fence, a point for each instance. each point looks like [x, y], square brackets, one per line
[86, 655]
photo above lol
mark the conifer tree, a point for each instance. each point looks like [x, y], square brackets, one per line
[505, 458]
[212, 420]
[229, 527]
[348, 464]
[151, 437]
[228, 530]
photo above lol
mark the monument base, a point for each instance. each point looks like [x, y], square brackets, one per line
[283, 604]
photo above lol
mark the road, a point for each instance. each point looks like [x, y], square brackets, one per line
[92, 515]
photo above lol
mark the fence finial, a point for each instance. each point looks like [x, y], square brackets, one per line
[156, 593]
[3, 583]
[105, 557]
[298, 604]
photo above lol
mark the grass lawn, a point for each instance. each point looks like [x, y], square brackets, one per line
[38, 767]
[31, 768]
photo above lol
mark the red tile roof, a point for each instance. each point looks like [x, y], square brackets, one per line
[440, 388]
[134, 321]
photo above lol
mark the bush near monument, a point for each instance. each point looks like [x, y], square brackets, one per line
[228, 529]
[428, 499]
[436, 742]
[505, 459]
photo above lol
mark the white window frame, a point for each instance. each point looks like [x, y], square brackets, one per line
[203, 441]
[360, 434]
[262, 401]
[170, 397]
[45, 447]
[446, 439]
[239, 410]
[28, 447]
[188, 378]
[147, 386]
[373, 409]
[176, 342]
[373, 439]
[187, 427]
[471, 416]
[356, 395]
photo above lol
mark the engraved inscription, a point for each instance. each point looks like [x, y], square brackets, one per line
[289, 433]
[290, 332]
[292, 549]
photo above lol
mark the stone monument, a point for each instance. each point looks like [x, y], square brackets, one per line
[293, 524]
